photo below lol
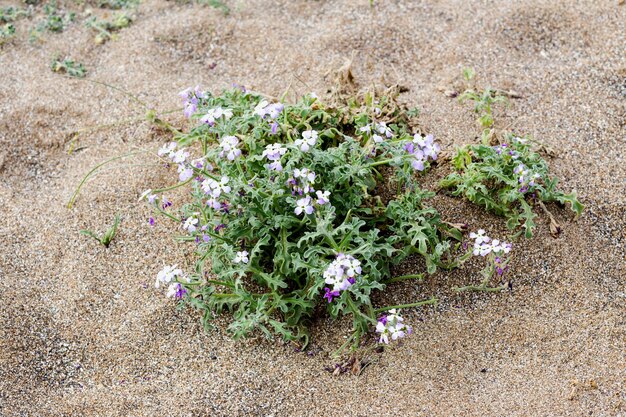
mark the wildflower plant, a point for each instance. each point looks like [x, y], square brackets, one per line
[106, 29]
[69, 67]
[495, 253]
[286, 215]
[507, 179]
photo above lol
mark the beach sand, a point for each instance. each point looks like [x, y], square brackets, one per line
[84, 332]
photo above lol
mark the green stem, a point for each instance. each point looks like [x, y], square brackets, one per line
[421, 303]
[172, 187]
[94, 169]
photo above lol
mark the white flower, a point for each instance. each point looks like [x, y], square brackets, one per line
[167, 149]
[241, 257]
[342, 272]
[167, 275]
[215, 188]
[190, 224]
[305, 174]
[304, 205]
[260, 108]
[384, 130]
[309, 138]
[480, 236]
[179, 156]
[322, 197]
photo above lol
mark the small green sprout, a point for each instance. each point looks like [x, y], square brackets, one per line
[69, 67]
[216, 4]
[108, 235]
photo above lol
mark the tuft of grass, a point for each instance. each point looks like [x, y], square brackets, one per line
[108, 236]
[69, 67]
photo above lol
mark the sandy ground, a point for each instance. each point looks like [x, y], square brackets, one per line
[82, 330]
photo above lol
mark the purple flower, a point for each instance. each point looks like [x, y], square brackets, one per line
[180, 292]
[219, 227]
[330, 294]
[274, 128]
[151, 221]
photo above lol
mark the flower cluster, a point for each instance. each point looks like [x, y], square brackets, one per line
[484, 245]
[391, 325]
[341, 274]
[377, 131]
[274, 152]
[526, 177]
[191, 97]
[269, 110]
[215, 189]
[229, 148]
[185, 170]
[421, 149]
[172, 276]
[301, 183]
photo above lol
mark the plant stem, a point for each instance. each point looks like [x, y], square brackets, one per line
[421, 303]
[405, 277]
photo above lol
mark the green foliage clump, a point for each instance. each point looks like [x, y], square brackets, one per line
[7, 31]
[106, 28]
[118, 4]
[11, 14]
[507, 180]
[376, 213]
[55, 21]
[69, 67]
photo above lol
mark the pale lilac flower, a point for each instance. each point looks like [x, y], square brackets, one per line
[322, 197]
[309, 138]
[199, 163]
[184, 172]
[215, 188]
[190, 100]
[304, 205]
[214, 204]
[264, 109]
[302, 181]
[427, 145]
[229, 147]
[148, 196]
[274, 151]
[241, 257]
[366, 129]
[275, 166]
[190, 224]
[260, 108]
[274, 109]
